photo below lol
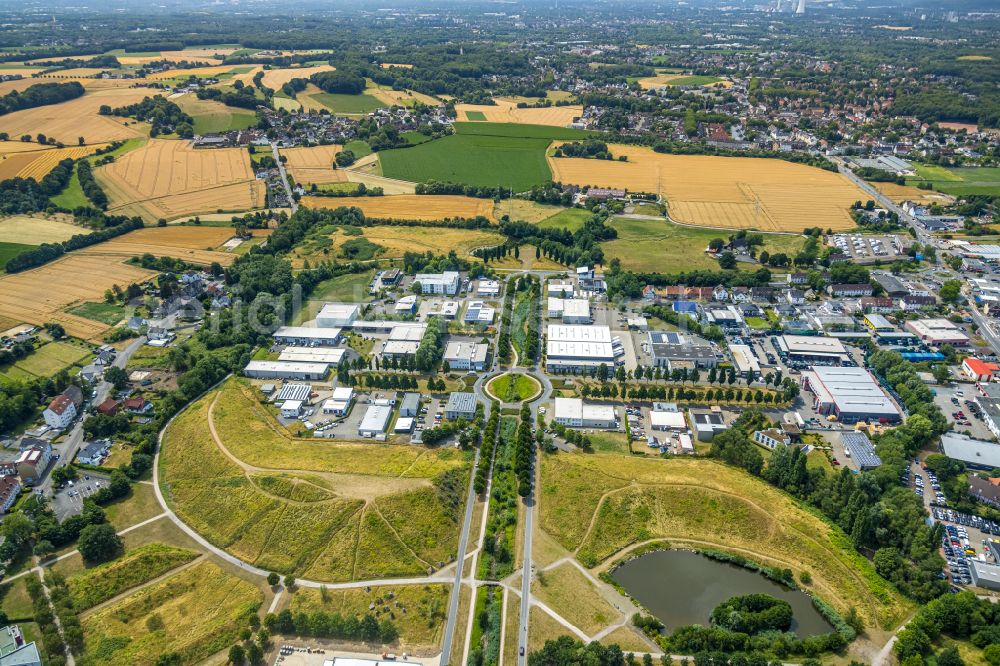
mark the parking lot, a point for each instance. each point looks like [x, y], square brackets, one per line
[957, 403]
[68, 501]
[862, 247]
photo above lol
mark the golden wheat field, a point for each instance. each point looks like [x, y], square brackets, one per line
[20, 71]
[409, 206]
[401, 97]
[727, 192]
[37, 230]
[275, 78]
[507, 112]
[190, 243]
[40, 295]
[900, 193]
[400, 65]
[13, 147]
[68, 121]
[210, 71]
[313, 164]
[170, 179]
[39, 163]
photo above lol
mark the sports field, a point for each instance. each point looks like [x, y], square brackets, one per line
[409, 206]
[320, 509]
[659, 246]
[480, 160]
[170, 179]
[275, 78]
[313, 164]
[195, 244]
[597, 506]
[194, 613]
[68, 121]
[727, 192]
[211, 116]
[507, 112]
[960, 181]
[42, 294]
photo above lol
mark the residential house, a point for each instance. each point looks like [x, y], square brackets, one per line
[10, 488]
[771, 438]
[797, 278]
[877, 304]
[795, 296]
[109, 407]
[137, 405]
[911, 303]
[720, 293]
[33, 461]
[849, 290]
[63, 408]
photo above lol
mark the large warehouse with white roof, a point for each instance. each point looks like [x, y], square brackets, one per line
[571, 348]
[850, 394]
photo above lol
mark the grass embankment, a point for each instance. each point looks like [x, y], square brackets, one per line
[567, 591]
[94, 586]
[960, 181]
[394, 510]
[596, 506]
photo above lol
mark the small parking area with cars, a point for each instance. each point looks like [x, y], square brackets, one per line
[67, 500]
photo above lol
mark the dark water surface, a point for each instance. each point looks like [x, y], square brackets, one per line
[680, 587]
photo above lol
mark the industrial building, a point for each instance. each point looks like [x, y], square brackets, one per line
[307, 335]
[575, 413]
[479, 313]
[375, 420]
[812, 349]
[745, 360]
[460, 405]
[329, 355]
[668, 348]
[667, 420]
[294, 392]
[979, 370]
[975, 453]
[340, 402]
[488, 288]
[938, 332]
[404, 339]
[850, 394]
[466, 355]
[337, 315]
[984, 574]
[439, 283]
[877, 323]
[578, 348]
[559, 289]
[286, 370]
[576, 311]
[706, 423]
[860, 449]
[410, 406]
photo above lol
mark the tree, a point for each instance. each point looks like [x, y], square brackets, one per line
[117, 377]
[237, 655]
[716, 244]
[950, 291]
[99, 543]
[273, 579]
[727, 261]
[289, 581]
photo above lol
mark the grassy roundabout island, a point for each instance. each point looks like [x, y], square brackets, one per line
[510, 387]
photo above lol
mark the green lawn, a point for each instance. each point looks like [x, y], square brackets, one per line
[46, 361]
[359, 148]
[72, 195]
[664, 247]
[960, 181]
[211, 116]
[348, 104]
[475, 116]
[571, 218]
[478, 160]
[350, 288]
[695, 80]
[522, 131]
[106, 313]
[513, 388]
[10, 250]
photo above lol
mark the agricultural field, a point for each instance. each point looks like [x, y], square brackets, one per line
[136, 567]
[570, 218]
[37, 164]
[523, 131]
[68, 121]
[211, 116]
[479, 160]
[37, 230]
[231, 472]
[392, 242]
[726, 192]
[195, 244]
[664, 247]
[170, 179]
[275, 78]
[309, 165]
[901, 193]
[197, 612]
[418, 611]
[213, 71]
[407, 98]
[409, 206]
[46, 361]
[344, 105]
[524, 210]
[41, 295]
[598, 506]
[10, 250]
[505, 111]
[106, 313]
[673, 80]
[959, 181]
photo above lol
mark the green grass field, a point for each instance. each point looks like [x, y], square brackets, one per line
[72, 195]
[348, 104]
[46, 361]
[513, 388]
[960, 181]
[211, 116]
[478, 160]
[694, 80]
[598, 505]
[106, 313]
[10, 250]
[136, 567]
[359, 148]
[664, 247]
[475, 116]
[571, 218]
[521, 131]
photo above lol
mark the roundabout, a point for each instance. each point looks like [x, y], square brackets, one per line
[513, 387]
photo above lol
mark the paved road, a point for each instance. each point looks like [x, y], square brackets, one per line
[293, 204]
[74, 440]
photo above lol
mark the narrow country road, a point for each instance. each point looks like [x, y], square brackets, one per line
[292, 203]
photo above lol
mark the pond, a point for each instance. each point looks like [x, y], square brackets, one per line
[680, 588]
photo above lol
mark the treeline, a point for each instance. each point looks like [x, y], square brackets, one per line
[89, 184]
[959, 617]
[368, 628]
[431, 347]
[163, 115]
[630, 285]
[438, 187]
[591, 148]
[524, 452]
[487, 450]
[576, 248]
[243, 97]
[47, 252]
[342, 82]
[40, 94]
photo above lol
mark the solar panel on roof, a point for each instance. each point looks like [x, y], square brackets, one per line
[861, 449]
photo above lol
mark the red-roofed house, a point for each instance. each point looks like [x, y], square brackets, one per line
[10, 486]
[63, 408]
[109, 407]
[980, 371]
[137, 405]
